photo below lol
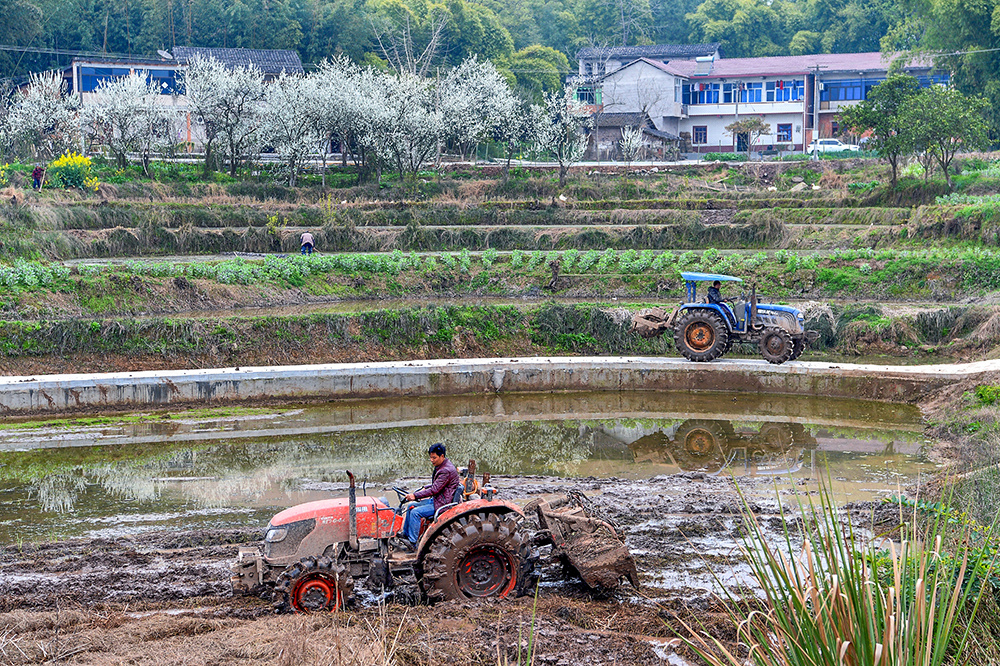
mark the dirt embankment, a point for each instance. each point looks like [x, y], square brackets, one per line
[164, 598]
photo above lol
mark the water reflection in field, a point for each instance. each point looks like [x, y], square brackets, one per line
[200, 469]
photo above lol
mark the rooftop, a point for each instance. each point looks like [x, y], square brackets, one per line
[662, 51]
[267, 60]
[623, 120]
[857, 63]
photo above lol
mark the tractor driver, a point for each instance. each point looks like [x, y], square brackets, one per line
[441, 490]
[714, 295]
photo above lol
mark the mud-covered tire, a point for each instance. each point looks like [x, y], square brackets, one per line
[483, 555]
[701, 335]
[703, 437]
[702, 444]
[775, 345]
[798, 346]
[313, 585]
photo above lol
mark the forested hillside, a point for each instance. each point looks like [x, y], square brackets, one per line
[499, 29]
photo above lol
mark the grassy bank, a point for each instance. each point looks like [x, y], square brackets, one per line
[444, 332]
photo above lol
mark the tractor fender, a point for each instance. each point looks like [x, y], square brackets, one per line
[463, 509]
[725, 313]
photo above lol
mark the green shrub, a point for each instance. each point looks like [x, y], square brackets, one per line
[725, 157]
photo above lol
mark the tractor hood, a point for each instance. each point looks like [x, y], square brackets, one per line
[335, 509]
[779, 308]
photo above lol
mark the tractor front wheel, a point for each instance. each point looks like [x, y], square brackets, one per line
[312, 585]
[776, 345]
[701, 335]
[483, 555]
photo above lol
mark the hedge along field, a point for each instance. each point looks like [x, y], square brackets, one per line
[417, 332]
[447, 331]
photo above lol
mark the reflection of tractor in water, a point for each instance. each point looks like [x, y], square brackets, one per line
[479, 546]
[705, 331]
[710, 446]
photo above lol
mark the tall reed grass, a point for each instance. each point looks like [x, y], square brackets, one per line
[851, 598]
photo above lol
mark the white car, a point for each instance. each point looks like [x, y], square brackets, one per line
[830, 146]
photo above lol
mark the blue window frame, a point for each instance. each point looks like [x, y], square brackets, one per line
[784, 91]
[701, 93]
[699, 134]
[751, 92]
[784, 132]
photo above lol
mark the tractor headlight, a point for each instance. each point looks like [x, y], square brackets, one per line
[276, 534]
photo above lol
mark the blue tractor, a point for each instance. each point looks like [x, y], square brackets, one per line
[706, 330]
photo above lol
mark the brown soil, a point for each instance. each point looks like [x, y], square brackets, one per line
[164, 598]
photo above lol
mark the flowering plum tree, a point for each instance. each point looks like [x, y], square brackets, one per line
[43, 119]
[288, 119]
[127, 117]
[229, 102]
[469, 97]
[561, 132]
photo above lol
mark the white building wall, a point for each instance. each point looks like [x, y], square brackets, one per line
[719, 139]
[643, 88]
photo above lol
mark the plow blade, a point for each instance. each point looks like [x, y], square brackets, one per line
[590, 546]
[653, 322]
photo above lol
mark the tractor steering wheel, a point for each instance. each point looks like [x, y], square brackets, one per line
[401, 492]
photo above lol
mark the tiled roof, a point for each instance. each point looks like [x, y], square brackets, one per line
[791, 65]
[667, 51]
[661, 134]
[667, 67]
[267, 60]
[623, 120]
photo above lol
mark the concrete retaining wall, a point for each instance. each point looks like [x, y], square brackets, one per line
[152, 390]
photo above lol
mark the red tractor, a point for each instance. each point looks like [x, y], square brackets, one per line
[476, 547]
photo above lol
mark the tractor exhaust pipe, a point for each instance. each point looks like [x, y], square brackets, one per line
[352, 498]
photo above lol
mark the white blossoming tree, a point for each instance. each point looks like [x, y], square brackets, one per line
[43, 119]
[514, 122]
[229, 103]
[561, 133]
[334, 105]
[469, 97]
[126, 116]
[413, 125]
[288, 119]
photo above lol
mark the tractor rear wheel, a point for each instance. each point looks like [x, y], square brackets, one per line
[312, 585]
[483, 555]
[701, 335]
[775, 345]
[798, 346]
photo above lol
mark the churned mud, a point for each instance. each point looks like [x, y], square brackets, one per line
[164, 597]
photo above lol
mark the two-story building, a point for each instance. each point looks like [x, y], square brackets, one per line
[800, 97]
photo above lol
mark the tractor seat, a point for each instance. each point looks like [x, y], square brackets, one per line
[457, 497]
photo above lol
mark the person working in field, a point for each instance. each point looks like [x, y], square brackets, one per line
[441, 490]
[307, 243]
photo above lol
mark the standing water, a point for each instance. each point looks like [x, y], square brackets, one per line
[235, 467]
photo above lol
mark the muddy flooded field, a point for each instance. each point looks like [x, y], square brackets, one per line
[118, 530]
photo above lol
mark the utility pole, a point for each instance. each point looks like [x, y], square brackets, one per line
[815, 155]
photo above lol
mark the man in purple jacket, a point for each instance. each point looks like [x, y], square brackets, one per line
[442, 489]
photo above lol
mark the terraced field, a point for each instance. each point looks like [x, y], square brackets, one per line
[147, 258]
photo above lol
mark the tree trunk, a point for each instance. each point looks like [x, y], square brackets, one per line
[563, 170]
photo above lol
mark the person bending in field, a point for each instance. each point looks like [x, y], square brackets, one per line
[441, 491]
[307, 243]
